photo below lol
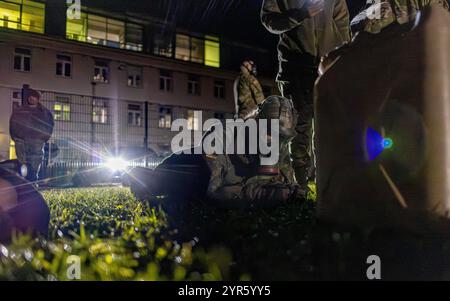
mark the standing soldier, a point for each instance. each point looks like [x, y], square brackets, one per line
[308, 30]
[31, 126]
[247, 89]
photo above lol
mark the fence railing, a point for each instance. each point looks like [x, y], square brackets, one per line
[86, 173]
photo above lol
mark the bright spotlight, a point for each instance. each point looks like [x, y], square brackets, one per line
[117, 164]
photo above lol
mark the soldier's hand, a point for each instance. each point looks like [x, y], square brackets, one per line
[315, 7]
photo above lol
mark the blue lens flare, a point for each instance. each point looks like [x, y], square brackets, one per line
[376, 143]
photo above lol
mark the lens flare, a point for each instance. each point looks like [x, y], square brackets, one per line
[117, 164]
[376, 144]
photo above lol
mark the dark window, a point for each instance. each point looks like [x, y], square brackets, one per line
[219, 89]
[63, 65]
[165, 81]
[22, 60]
[134, 76]
[134, 114]
[194, 85]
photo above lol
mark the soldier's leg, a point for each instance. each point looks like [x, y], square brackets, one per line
[35, 155]
[300, 90]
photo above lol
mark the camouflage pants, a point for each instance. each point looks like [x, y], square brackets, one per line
[230, 190]
[301, 90]
[31, 154]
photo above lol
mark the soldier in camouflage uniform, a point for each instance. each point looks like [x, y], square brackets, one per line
[308, 30]
[31, 126]
[239, 181]
[228, 180]
[247, 89]
[383, 13]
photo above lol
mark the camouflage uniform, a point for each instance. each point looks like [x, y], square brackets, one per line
[303, 41]
[249, 94]
[227, 180]
[399, 11]
[31, 128]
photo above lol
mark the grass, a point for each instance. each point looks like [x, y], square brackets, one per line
[118, 238]
[115, 237]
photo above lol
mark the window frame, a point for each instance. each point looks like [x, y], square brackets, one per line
[102, 65]
[166, 80]
[26, 9]
[219, 85]
[140, 71]
[134, 112]
[163, 116]
[104, 105]
[64, 63]
[194, 85]
[22, 56]
[63, 101]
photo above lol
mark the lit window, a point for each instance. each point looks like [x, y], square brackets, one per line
[197, 50]
[193, 85]
[63, 65]
[101, 72]
[212, 51]
[219, 89]
[189, 49]
[33, 16]
[182, 51]
[100, 111]
[165, 118]
[77, 28]
[105, 31]
[12, 150]
[24, 15]
[22, 60]
[115, 36]
[165, 81]
[134, 76]
[193, 121]
[61, 109]
[135, 114]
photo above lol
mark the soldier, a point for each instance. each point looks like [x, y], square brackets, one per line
[247, 89]
[238, 181]
[31, 126]
[380, 14]
[228, 180]
[308, 30]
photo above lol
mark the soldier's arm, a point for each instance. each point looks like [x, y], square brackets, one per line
[278, 21]
[342, 19]
[257, 91]
[244, 91]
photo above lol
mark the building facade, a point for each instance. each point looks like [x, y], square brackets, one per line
[114, 82]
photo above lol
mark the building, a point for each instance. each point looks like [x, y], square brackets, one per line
[114, 81]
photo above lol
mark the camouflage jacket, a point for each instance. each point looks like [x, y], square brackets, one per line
[248, 94]
[304, 39]
[381, 13]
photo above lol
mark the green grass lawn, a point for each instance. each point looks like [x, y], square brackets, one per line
[118, 238]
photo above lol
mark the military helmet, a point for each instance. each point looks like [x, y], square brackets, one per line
[281, 108]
